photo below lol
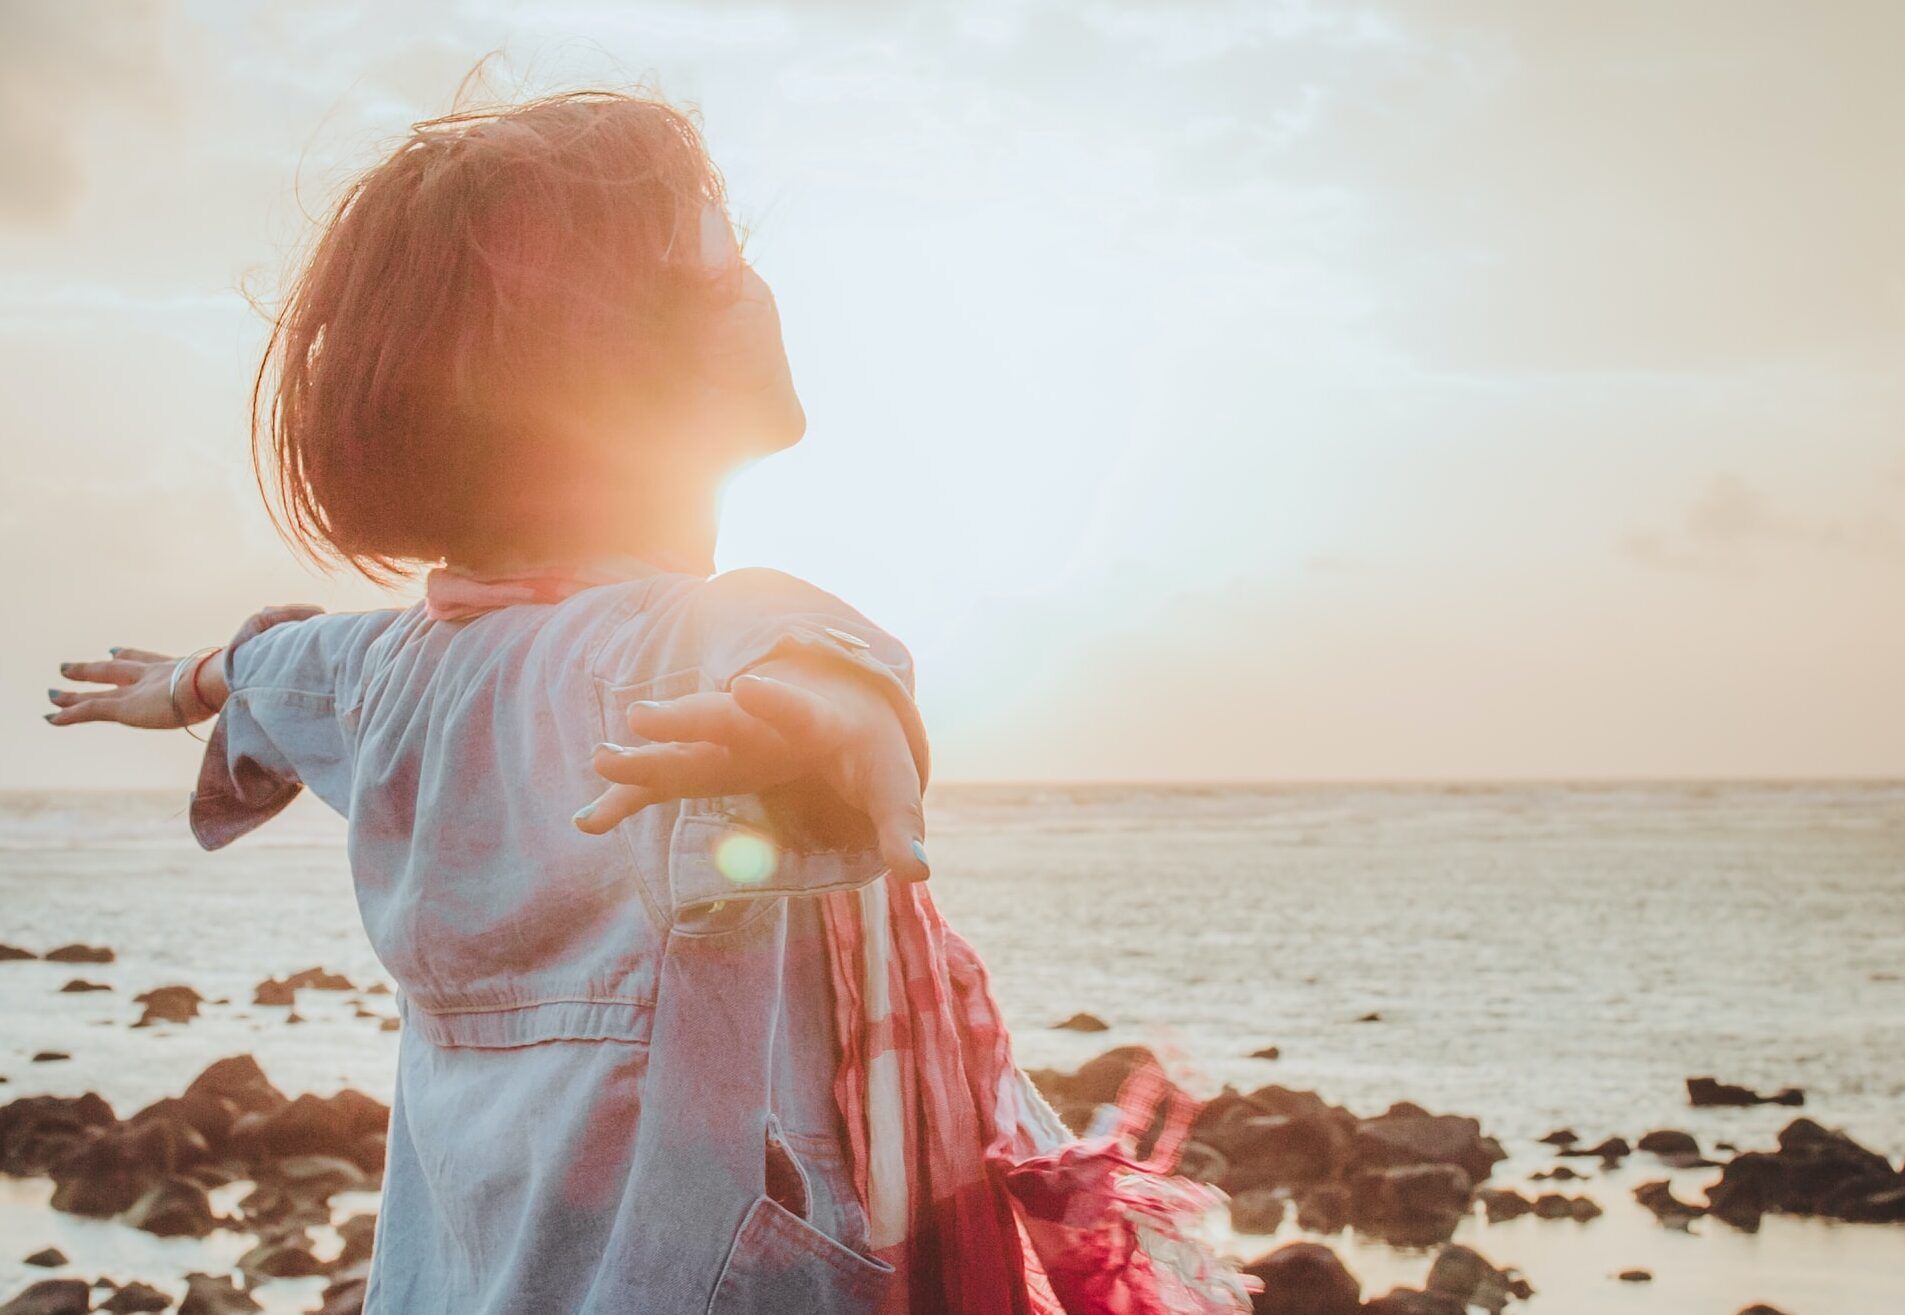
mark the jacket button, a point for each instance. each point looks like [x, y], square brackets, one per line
[850, 640]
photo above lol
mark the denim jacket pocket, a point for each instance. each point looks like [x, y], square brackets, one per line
[724, 854]
[782, 1265]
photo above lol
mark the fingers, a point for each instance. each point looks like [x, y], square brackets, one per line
[74, 706]
[610, 807]
[802, 717]
[893, 805]
[683, 771]
[708, 718]
[117, 671]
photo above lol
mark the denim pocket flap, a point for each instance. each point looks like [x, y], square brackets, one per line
[782, 1265]
[716, 858]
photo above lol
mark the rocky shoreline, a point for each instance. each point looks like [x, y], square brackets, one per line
[1410, 1178]
[1406, 1177]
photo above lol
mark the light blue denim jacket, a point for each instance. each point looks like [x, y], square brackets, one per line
[614, 1088]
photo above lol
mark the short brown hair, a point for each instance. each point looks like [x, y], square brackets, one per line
[495, 256]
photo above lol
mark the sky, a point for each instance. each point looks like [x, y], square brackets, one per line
[1202, 390]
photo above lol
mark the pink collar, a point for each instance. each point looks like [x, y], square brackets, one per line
[454, 593]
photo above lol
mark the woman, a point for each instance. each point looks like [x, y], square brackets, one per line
[659, 1056]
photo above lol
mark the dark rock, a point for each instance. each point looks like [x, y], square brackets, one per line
[359, 1233]
[1504, 1203]
[1202, 1163]
[1259, 1210]
[1083, 1023]
[37, 1131]
[1324, 1208]
[1461, 1272]
[80, 954]
[1275, 1150]
[1077, 1096]
[79, 985]
[1669, 1142]
[239, 1083]
[50, 1057]
[51, 1296]
[1666, 1207]
[1268, 1052]
[1409, 1301]
[1709, 1092]
[285, 1257]
[271, 991]
[1562, 1137]
[377, 988]
[1815, 1171]
[136, 1297]
[1304, 1278]
[1274, 1099]
[390, 1025]
[1097, 1081]
[8, 953]
[1759, 1309]
[1412, 1204]
[316, 979]
[50, 1258]
[275, 1208]
[322, 1176]
[1371, 1017]
[1553, 1205]
[120, 1164]
[349, 1124]
[176, 1207]
[1611, 1150]
[1560, 1173]
[207, 1294]
[1636, 1276]
[168, 1004]
[1406, 1134]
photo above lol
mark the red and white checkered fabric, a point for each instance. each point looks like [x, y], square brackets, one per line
[974, 1191]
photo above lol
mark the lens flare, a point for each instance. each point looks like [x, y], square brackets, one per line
[745, 858]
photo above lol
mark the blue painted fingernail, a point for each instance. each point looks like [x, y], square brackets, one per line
[114, 650]
[585, 812]
[53, 694]
[919, 852]
[609, 746]
[51, 715]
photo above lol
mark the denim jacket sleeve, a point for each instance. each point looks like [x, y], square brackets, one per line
[296, 682]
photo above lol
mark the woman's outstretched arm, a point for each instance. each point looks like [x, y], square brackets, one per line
[152, 691]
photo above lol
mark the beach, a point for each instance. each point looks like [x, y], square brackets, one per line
[1533, 956]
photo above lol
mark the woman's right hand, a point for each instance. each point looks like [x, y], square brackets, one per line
[138, 692]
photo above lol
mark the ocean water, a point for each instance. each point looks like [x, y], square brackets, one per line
[1538, 956]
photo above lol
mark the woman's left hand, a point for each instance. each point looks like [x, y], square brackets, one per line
[788, 721]
[138, 693]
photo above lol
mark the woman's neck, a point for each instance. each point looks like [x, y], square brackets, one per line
[676, 533]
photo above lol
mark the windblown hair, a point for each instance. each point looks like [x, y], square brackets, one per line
[497, 263]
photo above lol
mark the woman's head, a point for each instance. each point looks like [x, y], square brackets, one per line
[523, 325]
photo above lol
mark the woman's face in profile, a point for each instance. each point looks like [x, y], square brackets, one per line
[743, 381]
